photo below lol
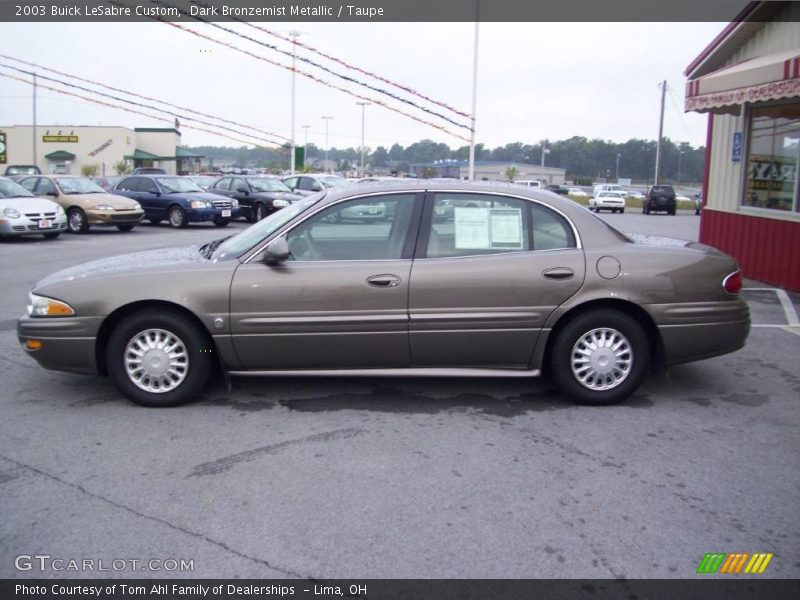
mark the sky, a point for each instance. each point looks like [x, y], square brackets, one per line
[535, 80]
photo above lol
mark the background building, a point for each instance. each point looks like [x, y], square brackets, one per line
[65, 149]
[748, 80]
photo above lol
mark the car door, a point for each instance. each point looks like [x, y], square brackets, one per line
[153, 201]
[486, 278]
[339, 302]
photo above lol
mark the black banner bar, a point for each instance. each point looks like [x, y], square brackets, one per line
[740, 588]
[371, 10]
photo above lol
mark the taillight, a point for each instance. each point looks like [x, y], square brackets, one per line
[733, 283]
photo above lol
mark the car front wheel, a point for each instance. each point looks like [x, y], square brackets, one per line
[600, 357]
[159, 358]
[76, 220]
[177, 217]
[261, 211]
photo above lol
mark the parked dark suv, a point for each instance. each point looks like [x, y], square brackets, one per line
[659, 198]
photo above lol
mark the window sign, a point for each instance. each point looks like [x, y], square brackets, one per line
[736, 152]
[488, 228]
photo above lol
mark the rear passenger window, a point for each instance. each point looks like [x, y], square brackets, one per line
[476, 224]
[223, 184]
[128, 185]
[550, 230]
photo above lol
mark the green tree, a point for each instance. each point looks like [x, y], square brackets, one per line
[88, 170]
[511, 173]
[122, 167]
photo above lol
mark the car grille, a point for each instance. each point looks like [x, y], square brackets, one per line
[129, 218]
[222, 204]
[36, 217]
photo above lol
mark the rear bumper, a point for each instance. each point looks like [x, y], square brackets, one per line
[701, 330]
[67, 344]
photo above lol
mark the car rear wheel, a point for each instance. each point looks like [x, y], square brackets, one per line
[600, 357]
[177, 217]
[671, 211]
[159, 358]
[125, 227]
[76, 220]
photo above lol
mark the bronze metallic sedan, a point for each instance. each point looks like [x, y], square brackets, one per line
[511, 282]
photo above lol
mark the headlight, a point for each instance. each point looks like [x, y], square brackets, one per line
[40, 306]
[200, 204]
[59, 209]
[234, 203]
[103, 207]
[280, 203]
[137, 206]
[11, 213]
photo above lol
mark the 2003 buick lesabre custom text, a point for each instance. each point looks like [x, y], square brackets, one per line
[454, 279]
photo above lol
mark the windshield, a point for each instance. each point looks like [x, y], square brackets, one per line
[174, 185]
[241, 242]
[204, 180]
[78, 185]
[267, 184]
[11, 189]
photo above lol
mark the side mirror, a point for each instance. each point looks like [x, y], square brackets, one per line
[277, 251]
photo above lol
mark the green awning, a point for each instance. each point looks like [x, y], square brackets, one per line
[142, 155]
[186, 153]
[60, 155]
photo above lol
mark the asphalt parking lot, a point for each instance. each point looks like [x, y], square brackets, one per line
[400, 478]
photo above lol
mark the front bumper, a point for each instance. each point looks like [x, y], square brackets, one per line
[26, 226]
[67, 343]
[194, 215]
[111, 218]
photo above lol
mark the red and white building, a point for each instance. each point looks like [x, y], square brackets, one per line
[748, 81]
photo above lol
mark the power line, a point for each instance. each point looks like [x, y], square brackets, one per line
[314, 64]
[344, 64]
[139, 104]
[680, 115]
[136, 95]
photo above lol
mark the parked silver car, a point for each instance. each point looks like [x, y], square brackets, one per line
[22, 213]
[519, 283]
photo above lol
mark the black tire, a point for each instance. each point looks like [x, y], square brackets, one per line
[196, 346]
[671, 211]
[609, 388]
[52, 236]
[621, 210]
[154, 221]
[176, 217]
[250, 215]
[125, 228]
[219, 222]
[261, 210]
[647, 209]
[77, 221]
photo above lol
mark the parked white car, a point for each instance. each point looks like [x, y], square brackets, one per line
[22, 213]
[635, 194]
[613, 201]
[577, 192]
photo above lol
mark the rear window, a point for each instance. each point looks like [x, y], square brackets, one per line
[661, 188]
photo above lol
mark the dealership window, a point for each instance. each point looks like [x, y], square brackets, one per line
[772, 160]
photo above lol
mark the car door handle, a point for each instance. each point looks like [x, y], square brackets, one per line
[558, 273]
[384, 280]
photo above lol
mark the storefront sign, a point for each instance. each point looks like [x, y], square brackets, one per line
[101, 147]
[2, 148]
[736, 153]
[70, 139]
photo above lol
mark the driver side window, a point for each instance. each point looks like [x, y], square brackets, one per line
[373, 228]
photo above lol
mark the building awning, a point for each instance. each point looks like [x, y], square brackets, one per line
[60, 155]
[770, 77]
[142, 155]
[186, 153]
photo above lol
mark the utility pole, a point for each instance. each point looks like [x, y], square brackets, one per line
[474, 95]
[618, 155]
[663, 85]
[680, 156]
[305, 144]
[327, 120]
[363, 106]
[294, 35]
[35, 154]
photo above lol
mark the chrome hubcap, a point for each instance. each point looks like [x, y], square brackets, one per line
[75, 220]
[156, 361]
[175, 218]
[601, 359]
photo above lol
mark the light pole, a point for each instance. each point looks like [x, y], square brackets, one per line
[472, 117]
[305, 144]
[618, 155]
[327, 120]
[680, 155]
[363, 106]
[545, 150]
[294, 35]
